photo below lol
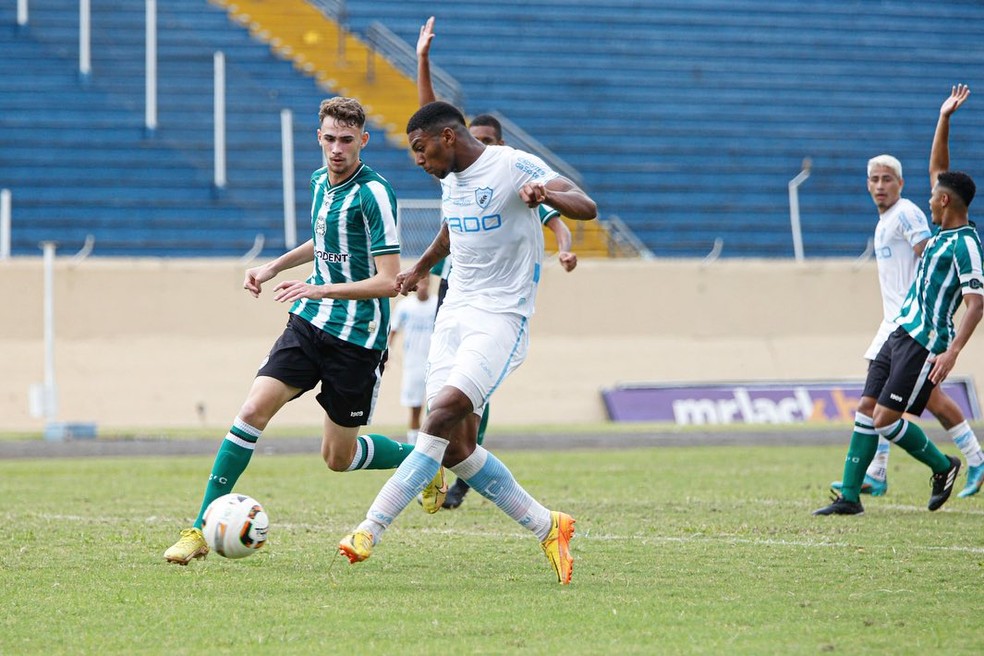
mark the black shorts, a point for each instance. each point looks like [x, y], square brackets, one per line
[349, 374]
[899, 375]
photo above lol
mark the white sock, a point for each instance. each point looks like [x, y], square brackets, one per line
[963, 436]
[493, 480]
[878, 469]
[409, 480]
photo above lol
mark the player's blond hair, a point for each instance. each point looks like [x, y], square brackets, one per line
[888, 162]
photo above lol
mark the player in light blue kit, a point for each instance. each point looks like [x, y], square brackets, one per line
[413, 320]
[900, 237]
[495, 241]
[487, 129]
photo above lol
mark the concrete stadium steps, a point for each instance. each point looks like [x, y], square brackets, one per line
[297, 31]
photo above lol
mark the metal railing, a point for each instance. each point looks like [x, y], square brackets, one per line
[622, 242]
[517, 137]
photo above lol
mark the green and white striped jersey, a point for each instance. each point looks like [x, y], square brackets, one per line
[352, 222]
[949, 268]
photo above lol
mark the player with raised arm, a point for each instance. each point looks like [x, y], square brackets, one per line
[487, 129]
[900, 237]
[338, 323]
[491, 232]
[922, 350]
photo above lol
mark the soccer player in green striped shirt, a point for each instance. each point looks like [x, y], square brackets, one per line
[924, 348]
[338, 326]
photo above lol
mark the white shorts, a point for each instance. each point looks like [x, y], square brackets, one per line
[474, 350]
[413, 390]
[884, 330]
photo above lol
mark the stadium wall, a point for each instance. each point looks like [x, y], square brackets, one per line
[175, 343]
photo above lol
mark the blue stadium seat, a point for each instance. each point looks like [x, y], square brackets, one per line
[686, 118]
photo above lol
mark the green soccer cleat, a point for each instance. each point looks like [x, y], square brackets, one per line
[432, 498]
[191, 545]
[975, 478]
[557, 546]
[871, 486]
[356, 546]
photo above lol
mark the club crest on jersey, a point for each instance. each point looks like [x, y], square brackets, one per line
[320, 227]
[483, 196]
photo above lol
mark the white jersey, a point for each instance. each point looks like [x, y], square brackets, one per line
[496, 240]
[415, 318]
[899, 229]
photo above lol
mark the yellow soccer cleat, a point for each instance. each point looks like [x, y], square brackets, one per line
[432, 498]
[356, 546]
[557, 546]
[191, 545]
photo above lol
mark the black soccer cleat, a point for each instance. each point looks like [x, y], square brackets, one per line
[943, 484]
[456, 494]
[841, 506]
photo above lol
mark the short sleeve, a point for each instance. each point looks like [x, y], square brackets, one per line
[968, 258]
[379, 211]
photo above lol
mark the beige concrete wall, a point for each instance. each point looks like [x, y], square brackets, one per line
[144, 343]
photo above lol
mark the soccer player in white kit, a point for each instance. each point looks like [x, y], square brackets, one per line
[900, 237]
[413, 318]
[494, 238]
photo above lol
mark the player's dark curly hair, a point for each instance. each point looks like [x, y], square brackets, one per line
[960, 183]
[436, 116]
[489, 121]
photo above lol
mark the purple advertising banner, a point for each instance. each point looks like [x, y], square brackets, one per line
[756, 403]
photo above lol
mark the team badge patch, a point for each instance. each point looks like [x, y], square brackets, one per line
[320, 227]
[483, 196]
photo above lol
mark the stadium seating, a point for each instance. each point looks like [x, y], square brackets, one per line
[687, 118]
[79, 160]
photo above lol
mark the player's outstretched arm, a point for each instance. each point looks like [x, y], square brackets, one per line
[939, 157]
[425, 88]
[562, 195]
[439, 249]
[380, 285]
[256, 276]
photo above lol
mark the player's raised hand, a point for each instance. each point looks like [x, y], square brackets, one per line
[425, 38]
[533, 194]
[958, 95]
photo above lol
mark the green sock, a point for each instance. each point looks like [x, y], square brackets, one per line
[231, 460]
[912, 438]
[864, 441]
[482, 425]
[379, 452]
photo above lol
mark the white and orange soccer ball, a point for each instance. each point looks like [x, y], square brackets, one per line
[235, 525]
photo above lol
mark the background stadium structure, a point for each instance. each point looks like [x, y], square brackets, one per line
[684, 119]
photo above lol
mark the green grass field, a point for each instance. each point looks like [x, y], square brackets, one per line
[679, 550]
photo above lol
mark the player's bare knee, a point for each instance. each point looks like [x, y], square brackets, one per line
[446, 413]
[336, 462]
[866, 406]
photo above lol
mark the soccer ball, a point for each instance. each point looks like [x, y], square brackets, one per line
[235, 525]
